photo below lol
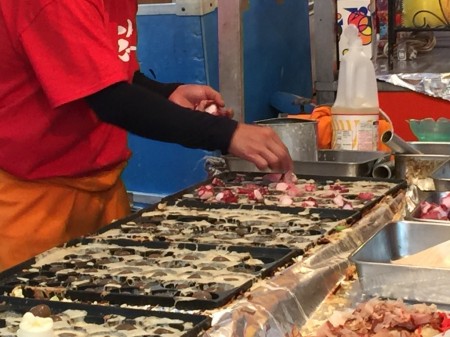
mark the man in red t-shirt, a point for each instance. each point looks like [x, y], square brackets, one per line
[70, 88]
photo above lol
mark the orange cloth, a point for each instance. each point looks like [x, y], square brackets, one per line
[322, 114]
[38, 215]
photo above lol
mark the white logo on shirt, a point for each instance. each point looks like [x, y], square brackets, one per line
[124, 45]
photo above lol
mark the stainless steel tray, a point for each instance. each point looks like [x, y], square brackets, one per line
[378, 276]
[417, 168]
[441, 177]
[433, 152]
[330, 163]
[432, 197]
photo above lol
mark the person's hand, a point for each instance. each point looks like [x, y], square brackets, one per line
[200, 97]
[262, 146]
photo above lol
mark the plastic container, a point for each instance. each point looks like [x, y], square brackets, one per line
[429, 130]
[355, 112]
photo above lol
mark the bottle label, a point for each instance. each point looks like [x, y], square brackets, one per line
[355, 132]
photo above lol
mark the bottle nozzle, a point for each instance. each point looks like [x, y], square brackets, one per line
[352, 34]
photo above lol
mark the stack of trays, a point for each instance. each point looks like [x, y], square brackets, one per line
[73, 319]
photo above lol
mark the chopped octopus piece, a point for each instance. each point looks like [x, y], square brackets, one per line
[366, 196]
[348, 206]
[310, 187]
[290, 177]
[217, 182]
[212, 109]
[273, 177]
[205, 192]
[339, 200]
[338, 187]
[285, 200]
[329, 195]
[446, 200]
[226, 196]
[256, 195]
[282, 186]
[294, 191]
[433, 211]
[425, 206]
[309, 202]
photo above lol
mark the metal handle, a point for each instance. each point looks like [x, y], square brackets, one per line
[383, 169]
[397, 144]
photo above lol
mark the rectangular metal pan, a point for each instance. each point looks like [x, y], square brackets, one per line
[330, 163]
[82, 276]
[379, 276]
[441, 177]
[417, 168]
[433, 198]
[185, 325]
[229, 226]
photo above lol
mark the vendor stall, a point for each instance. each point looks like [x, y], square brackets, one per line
[246, 253]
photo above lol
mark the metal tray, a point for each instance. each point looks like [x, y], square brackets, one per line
[431, 197]
[330, 163]
[74, 271]
[378, 276]
[185, 324]
[421, 165]
[441, 177]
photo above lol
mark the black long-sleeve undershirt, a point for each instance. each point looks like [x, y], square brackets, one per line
[165, 89]
[148, 113]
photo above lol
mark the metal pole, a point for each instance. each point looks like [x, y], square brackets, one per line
[325, 46]
[231, 72]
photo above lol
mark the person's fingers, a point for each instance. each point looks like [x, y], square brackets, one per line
[262, 146]
[281, 159]
[214, 95]
[277, 160]
[259, 161]
[227, 112]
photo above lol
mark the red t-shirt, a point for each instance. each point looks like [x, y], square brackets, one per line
[53, 54]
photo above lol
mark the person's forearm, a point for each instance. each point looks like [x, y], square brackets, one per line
[164, 89]
[147, 114]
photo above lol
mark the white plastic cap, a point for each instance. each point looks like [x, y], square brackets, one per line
[352, 35]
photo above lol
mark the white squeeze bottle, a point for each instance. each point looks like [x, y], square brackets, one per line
[355, 111]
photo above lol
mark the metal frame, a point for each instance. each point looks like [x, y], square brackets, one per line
[325, 57]
[231, 72]
[179, 7]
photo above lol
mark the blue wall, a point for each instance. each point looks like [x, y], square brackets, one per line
[185, 49]
[276, 53]
[172, 49]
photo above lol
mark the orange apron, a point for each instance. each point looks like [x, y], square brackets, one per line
[38, 215]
